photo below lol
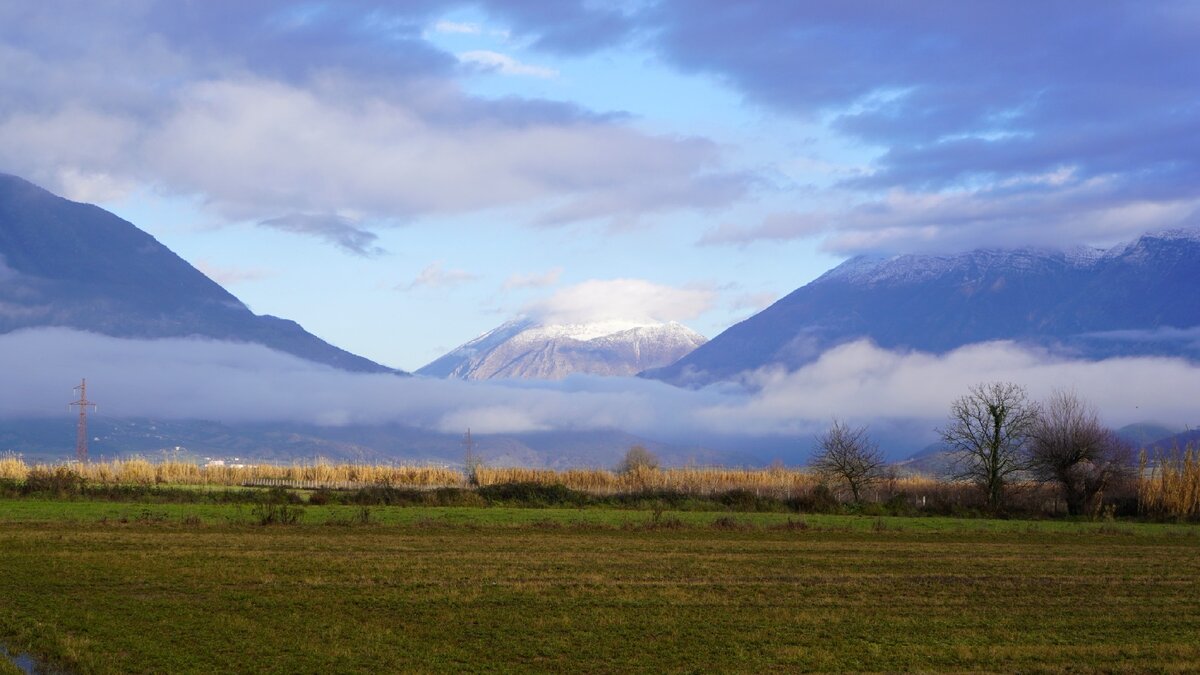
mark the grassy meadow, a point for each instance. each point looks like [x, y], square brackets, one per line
[100, 586]
[138, 567]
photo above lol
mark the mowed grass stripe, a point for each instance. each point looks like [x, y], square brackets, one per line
[130, 598]
[33, 510]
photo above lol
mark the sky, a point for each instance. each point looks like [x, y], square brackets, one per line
[402, 177]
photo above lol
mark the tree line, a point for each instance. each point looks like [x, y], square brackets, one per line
[995, 435]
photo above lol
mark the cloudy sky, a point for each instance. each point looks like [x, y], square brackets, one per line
[400, 177]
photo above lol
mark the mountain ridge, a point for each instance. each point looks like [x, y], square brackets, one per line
[1137, 298]
[75, 265]
[51, 439]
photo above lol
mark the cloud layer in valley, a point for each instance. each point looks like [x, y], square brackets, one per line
[198, 379]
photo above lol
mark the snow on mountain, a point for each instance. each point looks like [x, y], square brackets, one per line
[1140, 298]
[527, 349]
[913, 268]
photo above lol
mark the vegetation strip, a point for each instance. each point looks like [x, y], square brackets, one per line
[848, 476]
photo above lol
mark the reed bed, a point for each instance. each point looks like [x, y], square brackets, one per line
[1172, 488]
[140, 471]
[774, 482]
[1169, 485]
[12, 468]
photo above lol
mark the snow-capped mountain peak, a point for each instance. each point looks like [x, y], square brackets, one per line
[529, 349]
[579, 331]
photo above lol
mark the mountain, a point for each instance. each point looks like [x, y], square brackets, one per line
[1141, 298]
[1149, 434]
[1169, 445]
[52, 440]
[68, 264]
[528, 349]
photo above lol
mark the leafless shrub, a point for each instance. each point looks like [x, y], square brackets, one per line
[638, 458]
[849, 456]
[1070, 447]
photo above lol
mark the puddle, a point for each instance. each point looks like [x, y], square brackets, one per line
[26, 663]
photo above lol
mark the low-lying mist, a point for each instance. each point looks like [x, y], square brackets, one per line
[904, 396]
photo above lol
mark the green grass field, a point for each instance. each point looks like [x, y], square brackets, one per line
[124, 587]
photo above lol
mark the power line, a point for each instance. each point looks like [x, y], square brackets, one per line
[471, 460]
[81, 436]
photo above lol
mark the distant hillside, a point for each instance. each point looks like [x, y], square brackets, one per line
[1147, 434]
[1141, 298]
[933, 460]
[53, 439]
[1180, 441]
[75, 265]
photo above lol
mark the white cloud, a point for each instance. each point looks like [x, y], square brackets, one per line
[370, 126]
[533, 280]
[259, 149]
[464, 28]
[190, 378]
[1094, 212]
[436, 276]
[505, 64]
[492, 419]
[860, 380]
[339, 230]
[634, 300]
[92, 187]
[203, 379]
[79, 152]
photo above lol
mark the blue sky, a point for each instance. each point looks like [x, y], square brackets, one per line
[400, 177]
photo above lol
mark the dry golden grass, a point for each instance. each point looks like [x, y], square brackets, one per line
[1172, 489]
[12, 468]
[1170, 484]
[774, 482]
[144, 472]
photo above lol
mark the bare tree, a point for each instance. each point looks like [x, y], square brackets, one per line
[1071, 447]
[987, 433]
[637, 457]
[848, 455]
